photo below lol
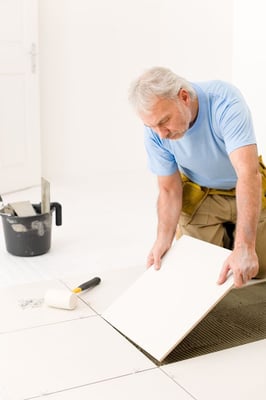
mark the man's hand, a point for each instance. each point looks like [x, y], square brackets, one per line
[168, 207]
[244, 265]
[243, 261]
[157, 252]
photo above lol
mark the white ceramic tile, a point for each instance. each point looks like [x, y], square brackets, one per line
[69, 354]
[23, 306]
[148, 385]
[237, 373]
[163, 306]
[113, 284]
[254, 282]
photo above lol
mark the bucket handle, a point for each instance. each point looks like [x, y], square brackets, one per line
[53, 206]
[58, 212]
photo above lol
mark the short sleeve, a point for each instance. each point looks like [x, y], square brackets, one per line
[234, 121]
[160, 160]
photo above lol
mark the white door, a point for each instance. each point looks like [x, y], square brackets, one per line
[20, 160]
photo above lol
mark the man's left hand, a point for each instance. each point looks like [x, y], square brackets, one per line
[244, 265]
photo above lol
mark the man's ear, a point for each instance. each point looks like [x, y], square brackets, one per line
[183, 95]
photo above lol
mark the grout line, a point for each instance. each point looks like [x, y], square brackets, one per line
[36, 186]
[149, 357]
[92, 383]
[178, 384]
[81, 299]
[47, 324]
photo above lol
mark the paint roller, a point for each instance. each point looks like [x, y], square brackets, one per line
[65, 299]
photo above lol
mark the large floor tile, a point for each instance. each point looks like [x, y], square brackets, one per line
[239, 318]
[69, 354]
[23, 306]
[163, 306]
[237, 373]
[148, 385]
[113, 284]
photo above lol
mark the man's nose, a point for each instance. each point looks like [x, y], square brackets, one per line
[162, 131]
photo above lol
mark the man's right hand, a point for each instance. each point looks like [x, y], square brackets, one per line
[157, 252]
[168, 207]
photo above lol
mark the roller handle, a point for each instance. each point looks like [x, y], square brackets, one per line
[86, 285]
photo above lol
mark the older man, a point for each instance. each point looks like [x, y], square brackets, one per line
[201, 145]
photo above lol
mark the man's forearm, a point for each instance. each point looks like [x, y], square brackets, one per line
[248, 200]
[168, 209]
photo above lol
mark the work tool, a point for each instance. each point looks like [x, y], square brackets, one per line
[68, 299]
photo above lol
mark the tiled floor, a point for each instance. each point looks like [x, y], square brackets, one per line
[65, 355]
[24, 307]
[76, 354]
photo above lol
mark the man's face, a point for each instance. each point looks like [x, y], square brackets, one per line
[170, 119]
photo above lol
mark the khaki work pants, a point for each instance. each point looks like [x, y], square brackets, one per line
[214, 222]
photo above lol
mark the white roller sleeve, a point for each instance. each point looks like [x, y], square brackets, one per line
[61, 299]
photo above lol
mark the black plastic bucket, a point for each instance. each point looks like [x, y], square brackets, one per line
[30, 236]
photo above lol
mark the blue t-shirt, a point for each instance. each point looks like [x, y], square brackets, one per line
[223, 124]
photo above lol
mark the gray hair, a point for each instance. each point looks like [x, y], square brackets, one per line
[156, 82]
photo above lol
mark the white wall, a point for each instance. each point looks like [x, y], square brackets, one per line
[90, 50]
[196, 38]
[89, 53]
[249, 61]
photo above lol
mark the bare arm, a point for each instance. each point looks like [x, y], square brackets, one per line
[243, 260]
[168, 208]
